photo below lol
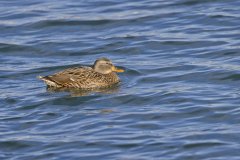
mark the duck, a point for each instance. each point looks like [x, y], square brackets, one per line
[100, 75]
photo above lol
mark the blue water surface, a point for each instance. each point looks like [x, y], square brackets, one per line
[178, 99]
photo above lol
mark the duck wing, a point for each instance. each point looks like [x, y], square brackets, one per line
[71, 77]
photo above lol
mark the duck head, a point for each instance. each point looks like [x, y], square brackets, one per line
[105, 66]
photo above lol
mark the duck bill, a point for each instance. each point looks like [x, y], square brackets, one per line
[115, 69]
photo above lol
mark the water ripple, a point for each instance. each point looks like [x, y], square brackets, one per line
[178, 98]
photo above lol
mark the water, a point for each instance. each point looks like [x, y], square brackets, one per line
[179, 96]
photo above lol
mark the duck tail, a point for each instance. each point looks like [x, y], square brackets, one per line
[48, 81]
[40, 77]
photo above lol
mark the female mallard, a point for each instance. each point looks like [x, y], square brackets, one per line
[101, 74]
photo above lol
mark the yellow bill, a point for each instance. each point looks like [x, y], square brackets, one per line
[115, 69]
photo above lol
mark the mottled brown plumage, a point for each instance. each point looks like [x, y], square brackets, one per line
[102, 74]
